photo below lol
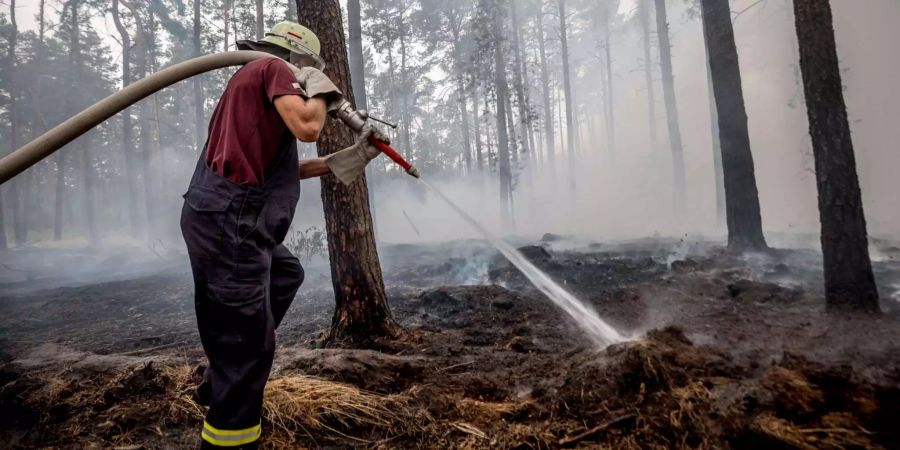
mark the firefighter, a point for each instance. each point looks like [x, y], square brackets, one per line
[237, 211]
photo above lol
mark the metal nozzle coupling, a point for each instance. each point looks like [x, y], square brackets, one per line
[412, 171]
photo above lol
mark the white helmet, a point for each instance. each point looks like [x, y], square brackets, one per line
[301, 44]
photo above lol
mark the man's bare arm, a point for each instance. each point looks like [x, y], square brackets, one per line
[313, 168]
[304, 117]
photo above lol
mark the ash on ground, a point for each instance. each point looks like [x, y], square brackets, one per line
[730, 351]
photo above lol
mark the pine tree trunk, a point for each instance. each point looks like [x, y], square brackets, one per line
[503, 146]
[668, 82]
[644, 15]
[716, 143]
[742, 199]
[15, 190]
[610, 97]
[567, 91]
[127, 127]
[456, 31]
[197, 81]
[361, 303]
[519, 83]
[226, 22]
[479, 155]
[75, 104]
[260, 20]
[545, 85]
[849, 282]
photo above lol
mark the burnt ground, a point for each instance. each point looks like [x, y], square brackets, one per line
[730, 351]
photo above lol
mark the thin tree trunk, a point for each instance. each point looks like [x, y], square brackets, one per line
[75, 104]
[668, 82]
[361, 304]
[197, 81]
[742, 198]
[567, 91]
[358, 81]
[644, 15]
[545, 85]
[503, 149]
[479, 157]
[226, 22]
[519, 82]
[260, 20]
[610, 98]
[849, 282]
[357, 62]
[127, 127]
[456, 30]
[15, 186]
[406, 89]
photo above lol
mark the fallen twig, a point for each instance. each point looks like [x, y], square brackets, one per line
[569, 440]
[153, 349]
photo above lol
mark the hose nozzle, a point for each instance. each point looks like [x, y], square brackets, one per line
[357, 120]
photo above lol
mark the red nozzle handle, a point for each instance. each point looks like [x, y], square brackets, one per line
[391, 153]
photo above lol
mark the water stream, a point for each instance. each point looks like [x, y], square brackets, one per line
[587, 319]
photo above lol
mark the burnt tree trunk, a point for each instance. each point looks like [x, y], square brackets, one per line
[361, 309]
[849, 283]
[741, 196]
[668, 82]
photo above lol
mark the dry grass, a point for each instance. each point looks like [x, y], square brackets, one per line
[299, 407]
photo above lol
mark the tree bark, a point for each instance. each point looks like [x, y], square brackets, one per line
[668, 82]
[197, 81]
[502, 91]
[545, 89]
[644, 15]
[849, 282]
[361, 303]
[742, 199]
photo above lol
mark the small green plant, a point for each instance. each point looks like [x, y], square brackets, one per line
[307, 243]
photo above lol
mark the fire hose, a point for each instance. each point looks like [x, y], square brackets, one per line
[54, 139]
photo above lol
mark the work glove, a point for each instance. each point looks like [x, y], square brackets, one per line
[348, 164]
[316, 84]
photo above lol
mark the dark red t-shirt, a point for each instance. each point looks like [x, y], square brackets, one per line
[245, 128]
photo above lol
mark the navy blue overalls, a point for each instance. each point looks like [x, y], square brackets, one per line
[244, 281]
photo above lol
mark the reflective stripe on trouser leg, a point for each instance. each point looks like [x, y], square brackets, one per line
[230, 438]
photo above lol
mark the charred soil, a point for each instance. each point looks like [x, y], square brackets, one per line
[729, 351]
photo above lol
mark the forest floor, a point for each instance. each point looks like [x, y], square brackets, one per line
[731, 351]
